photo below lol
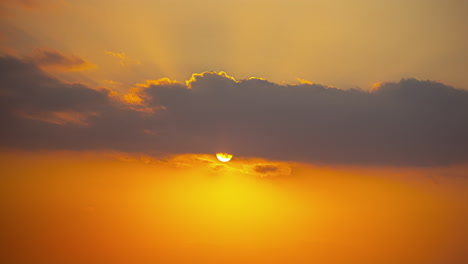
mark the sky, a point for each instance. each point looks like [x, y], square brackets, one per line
[346, 119]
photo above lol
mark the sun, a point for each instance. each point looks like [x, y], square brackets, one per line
[224, 157]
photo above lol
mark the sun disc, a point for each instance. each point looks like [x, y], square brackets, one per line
[224, 157]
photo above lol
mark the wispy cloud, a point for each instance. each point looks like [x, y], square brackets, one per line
[124, 60]
[53, 60]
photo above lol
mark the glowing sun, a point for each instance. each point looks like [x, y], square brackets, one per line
[224, 157]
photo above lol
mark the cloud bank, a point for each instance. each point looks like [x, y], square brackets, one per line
[410, 122]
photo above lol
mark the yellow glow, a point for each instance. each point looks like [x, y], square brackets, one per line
[223, 157]
[376, 86]
[160, 81]
[256, 78]
[132, 99]
[220, 213]
[194, 77]
[304, 81]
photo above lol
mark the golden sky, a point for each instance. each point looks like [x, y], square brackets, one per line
[344, 43]
[92, 207]
[346, 121]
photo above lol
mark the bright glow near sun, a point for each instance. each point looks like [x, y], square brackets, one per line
[224, 157]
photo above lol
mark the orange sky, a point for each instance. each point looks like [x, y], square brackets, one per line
[95, 207]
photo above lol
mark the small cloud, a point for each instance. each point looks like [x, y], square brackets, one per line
[121, 56]
[261, 168]
[60, 118]
[124, 60]
[111, 82]
[35, 5]
[53, 60]
[278, 169]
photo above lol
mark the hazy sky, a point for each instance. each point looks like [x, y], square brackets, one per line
[347, 119]
[341, 42]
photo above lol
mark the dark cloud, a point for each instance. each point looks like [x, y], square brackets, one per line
[406, 123]
[410, 122]
[38, 111]
[24, 86]
[265, 168]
